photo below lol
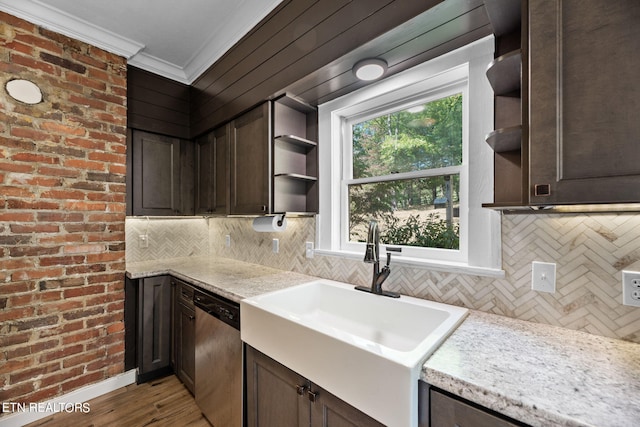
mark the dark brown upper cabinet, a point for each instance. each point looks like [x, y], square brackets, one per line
[584, 101]
[161, 178]
[250, 166]
[567, 134]
[212, 172]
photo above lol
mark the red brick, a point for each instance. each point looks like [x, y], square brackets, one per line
[62, 260]
[35, 64]
[64, 129]
[83, 291]
[81, 336]
[81, 381]
[33, 40]
[61, 353]
[8, 191]
[88, 102]
[84, 206]
[85, 269]
[63, 194]
[84, 164]
[61, 376]
[37, 274]
[63, 172]
[59, 307]
[17, 216]
[30, 133]
[35, 228]
[86, 143]
[38, 158]
[31, 204]
[16, 167]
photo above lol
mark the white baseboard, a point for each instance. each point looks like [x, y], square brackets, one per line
[77, 397]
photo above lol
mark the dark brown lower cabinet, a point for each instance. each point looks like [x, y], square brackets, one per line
[448, 411]
[184, 333]
[277, 396]
[154, 327]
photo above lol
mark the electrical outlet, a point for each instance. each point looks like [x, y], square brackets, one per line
[227, 241]
[143, 241]
[308, 247]
[543, 276]
[275, 246]
[631, 288]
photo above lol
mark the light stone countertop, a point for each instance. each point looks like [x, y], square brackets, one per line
[538, 374]
[232, 279]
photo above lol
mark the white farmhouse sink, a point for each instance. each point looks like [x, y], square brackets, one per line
[366, 349]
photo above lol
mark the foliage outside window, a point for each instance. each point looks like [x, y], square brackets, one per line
[405, 173]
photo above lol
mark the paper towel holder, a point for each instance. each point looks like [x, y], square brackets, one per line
[281, 220]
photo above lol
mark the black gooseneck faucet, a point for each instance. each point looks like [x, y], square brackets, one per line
[372, 256]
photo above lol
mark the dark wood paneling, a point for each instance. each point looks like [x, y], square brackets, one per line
[446, 27]
[309, 39]
[157, 104]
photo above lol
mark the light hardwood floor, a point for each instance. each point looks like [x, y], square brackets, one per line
[161, 402]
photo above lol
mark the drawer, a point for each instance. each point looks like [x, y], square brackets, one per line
[184, 292]
[447, 411]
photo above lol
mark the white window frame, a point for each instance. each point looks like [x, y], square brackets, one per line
[462, 70]
[455, 81]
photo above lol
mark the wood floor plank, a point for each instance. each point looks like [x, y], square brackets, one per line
[164, 402]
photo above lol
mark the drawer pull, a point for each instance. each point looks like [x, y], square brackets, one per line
[312, 395]
[300, 389]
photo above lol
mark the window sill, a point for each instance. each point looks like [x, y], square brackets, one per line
[444, 266]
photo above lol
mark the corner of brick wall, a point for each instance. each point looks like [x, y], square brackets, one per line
[62, 214]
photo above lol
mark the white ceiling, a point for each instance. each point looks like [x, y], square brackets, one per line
[176, 39]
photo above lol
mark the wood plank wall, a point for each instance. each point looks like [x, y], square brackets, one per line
[157, 104]
[296, 39]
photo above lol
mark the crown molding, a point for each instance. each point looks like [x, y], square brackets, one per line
[158, 66]
[53, 19]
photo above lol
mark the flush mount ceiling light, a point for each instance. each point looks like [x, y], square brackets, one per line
[24, 91]
[370, 69]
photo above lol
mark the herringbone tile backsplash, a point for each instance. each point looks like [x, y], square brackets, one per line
[590, 252]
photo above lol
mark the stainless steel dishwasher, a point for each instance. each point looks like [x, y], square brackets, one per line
[218, 373]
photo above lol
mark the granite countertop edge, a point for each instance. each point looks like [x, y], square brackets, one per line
[486, 360]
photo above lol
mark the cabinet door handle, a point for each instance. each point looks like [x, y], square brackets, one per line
[192, 317]
[312, 395]
[300, 389]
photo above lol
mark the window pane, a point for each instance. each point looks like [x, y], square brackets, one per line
[414, 212]
[423, 137]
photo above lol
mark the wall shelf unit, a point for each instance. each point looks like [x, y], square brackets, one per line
[509, 139]
[295, 156]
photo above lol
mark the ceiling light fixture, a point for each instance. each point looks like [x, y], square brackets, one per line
[370, 69]
[24, 91]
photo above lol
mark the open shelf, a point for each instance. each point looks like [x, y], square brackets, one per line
[505, 73]
[296, 140]
[505, 139]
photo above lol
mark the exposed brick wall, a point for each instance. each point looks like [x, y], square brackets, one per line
[62, 215]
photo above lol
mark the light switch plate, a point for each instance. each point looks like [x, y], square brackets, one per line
[631, 288]
[275, 246]
[227, 241]
[543, 276]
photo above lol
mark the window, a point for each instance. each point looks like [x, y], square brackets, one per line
[409, 151]
[402, 168]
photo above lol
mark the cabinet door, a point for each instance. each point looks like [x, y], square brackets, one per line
[250, 163]
[584, 101]
[205, 170]
[154, 325]
[329, 411]
[220, 176]
[158, 163]
[185, 344]
[447, 411]
[276, 396]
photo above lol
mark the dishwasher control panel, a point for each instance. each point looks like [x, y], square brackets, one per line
[216, 306]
